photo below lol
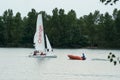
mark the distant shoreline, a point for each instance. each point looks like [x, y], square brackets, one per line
[69, 48]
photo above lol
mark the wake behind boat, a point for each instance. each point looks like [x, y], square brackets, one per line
[42, 45]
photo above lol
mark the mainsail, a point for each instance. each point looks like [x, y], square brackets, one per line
[39, 35]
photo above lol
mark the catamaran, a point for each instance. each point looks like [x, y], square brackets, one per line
[43, 48]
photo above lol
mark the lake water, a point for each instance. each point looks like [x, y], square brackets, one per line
[16, 65]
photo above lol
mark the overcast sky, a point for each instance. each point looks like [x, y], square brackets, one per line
[81, 7]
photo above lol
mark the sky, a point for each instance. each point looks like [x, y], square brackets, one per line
[81, 7]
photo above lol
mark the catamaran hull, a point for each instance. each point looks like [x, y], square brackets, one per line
[43, 56]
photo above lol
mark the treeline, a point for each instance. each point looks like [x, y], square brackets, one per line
[64, 30]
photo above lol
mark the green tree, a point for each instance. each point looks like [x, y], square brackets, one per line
[72, 30]
[29, 28]
[106, 31]
[63, 28]
[89, 22]
[18, 29]
[117, 28]
[1, 31]
[8, 25]
[55, 26]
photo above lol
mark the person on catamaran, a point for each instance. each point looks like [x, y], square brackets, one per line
[83, 56]
[35, 53]
[42, 53]
[47, 50]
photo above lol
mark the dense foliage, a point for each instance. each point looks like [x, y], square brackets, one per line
[63, 30]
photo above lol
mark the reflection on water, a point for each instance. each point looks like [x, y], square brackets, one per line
[16, 65]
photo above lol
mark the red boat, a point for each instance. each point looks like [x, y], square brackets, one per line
[75, 57]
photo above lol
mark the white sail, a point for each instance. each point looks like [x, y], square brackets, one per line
[49, 48]
[39, 35]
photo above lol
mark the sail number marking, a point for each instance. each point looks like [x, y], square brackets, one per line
[40, 34]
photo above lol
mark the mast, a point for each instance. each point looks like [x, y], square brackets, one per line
[45, 43]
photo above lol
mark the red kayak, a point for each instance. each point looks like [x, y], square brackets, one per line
[75, 57]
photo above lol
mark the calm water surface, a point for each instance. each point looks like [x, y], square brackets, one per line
[16, 65]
